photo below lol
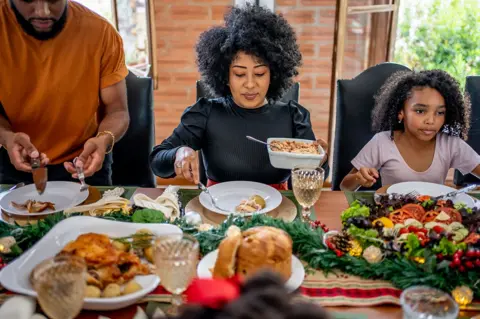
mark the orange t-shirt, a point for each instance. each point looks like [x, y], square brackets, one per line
[50, 89]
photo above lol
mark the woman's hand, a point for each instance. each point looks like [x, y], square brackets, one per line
[324, 145]
[366, 177]
[186, 164]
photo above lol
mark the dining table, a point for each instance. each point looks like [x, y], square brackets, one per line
[327, 210]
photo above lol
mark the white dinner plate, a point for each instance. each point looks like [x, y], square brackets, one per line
[63, 194]
[205, 267]
[430, 189]
[15, 276]
[230, 194]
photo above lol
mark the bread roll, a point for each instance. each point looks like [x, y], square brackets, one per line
[265, 247]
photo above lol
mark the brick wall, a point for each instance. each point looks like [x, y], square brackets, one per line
[178, 23]
[313, 21]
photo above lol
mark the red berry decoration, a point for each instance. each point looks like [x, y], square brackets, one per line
[456, 262]
[461, 268]
[315, 224]
[439, 256]
[477, 263]
[470, 253]
[469, 264]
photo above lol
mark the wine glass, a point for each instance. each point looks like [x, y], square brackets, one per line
[176, 258]
[307, 185]
[60, 285]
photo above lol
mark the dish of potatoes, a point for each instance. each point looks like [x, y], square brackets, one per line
[112, 263]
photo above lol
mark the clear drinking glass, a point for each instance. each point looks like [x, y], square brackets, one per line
[421, 302]
[307, 185]
[176, 259]
[60, 285]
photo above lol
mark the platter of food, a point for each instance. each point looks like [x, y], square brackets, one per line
[58, 196]
[429, 189]
[286, 153]
[245, 253]
[245, 198]
[415, 226]
[118, 256]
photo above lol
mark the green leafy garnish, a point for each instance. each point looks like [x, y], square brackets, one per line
[461, 205]
[447, 248]
[365, 237]
[412, 244]
[427, 203]
[148, 216]
[355, 209]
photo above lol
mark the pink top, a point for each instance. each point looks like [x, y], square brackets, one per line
[450, 152]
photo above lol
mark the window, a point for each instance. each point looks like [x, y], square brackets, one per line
[131, 19]
[264, 3]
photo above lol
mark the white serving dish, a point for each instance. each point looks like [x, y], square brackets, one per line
[430, 189]
[206, 265]
[15, 277]
[230, 194]
[288, 160]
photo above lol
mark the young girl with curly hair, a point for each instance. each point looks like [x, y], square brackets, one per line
[263, 296]
[248, 64]
[422, 120]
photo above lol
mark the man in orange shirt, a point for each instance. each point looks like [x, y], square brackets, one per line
[62, 90]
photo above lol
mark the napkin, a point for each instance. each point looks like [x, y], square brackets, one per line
[110, 201]
[167, 203]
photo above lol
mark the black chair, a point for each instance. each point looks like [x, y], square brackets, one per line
[202, 91]
[472, 87]
[131, 165]
[353, 121]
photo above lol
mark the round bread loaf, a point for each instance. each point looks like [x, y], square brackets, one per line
[264, 247]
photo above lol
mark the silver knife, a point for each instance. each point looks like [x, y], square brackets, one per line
[40, 175]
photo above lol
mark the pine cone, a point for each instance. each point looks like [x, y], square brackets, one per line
[341, 242]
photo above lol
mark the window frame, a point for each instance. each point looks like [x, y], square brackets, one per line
[149, 16]
[342, 12]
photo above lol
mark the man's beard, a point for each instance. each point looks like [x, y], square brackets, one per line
[57, 25]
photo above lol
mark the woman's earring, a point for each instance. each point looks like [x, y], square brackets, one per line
[400, 121]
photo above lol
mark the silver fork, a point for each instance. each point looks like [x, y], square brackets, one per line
[458, 191]
[413, 193]
[81, 176]
[213, 199]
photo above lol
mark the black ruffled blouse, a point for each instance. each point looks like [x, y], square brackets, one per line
[218, 127]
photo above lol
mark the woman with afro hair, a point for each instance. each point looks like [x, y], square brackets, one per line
[247, 64]
[422, 120]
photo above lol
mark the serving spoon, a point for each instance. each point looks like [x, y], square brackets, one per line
[256, 140]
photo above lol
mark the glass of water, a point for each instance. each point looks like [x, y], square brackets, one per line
[60, 285]
[422, 302]
[176, 258]
[307, 183]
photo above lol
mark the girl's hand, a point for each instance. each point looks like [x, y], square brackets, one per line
[186, 164]
[366, 177]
